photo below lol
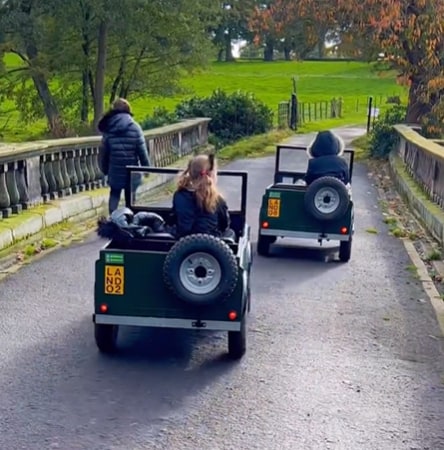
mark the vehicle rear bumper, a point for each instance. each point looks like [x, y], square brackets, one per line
[162, 322]
[305, 235]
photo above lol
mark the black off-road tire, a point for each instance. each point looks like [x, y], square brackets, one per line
[106, 337]
[329, 184]
[237, 341]
[203, 244]
[263, 244]
[345, 250]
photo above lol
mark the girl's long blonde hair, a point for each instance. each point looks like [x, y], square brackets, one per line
[200, 177]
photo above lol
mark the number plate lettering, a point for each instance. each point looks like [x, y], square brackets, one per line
[274, 207]
[114, 280]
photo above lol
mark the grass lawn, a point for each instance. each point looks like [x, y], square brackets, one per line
[270, 82]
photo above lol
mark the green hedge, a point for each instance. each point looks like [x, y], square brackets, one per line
[233, 116]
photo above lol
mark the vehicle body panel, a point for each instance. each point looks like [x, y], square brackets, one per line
[129, 279]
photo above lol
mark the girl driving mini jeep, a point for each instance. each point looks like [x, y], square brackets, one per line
[198, 207]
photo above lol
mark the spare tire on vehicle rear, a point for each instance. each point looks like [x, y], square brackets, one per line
[201, 269]
[326, 199]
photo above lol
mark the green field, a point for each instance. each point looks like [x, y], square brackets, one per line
[270, 82]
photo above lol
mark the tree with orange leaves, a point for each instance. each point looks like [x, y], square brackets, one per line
[411, 32]
[277, 25]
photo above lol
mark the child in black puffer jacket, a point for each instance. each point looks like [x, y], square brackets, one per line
[325, 158]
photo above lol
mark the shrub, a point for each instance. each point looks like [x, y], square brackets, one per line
[383, 137]
[161, 116]
[394, 99]
[233, 116]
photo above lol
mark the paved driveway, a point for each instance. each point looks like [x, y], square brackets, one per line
[341, 356]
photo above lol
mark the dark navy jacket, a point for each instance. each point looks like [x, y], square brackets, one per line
[191, 219]
[328, 165]
[123, 144]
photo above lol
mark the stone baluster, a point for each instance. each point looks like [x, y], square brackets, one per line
[170, 156]
[187, 145]
[154, 152]
[96, 166]
[90, 167]
[163, 145]
[22, 185]
[11, 183]
[79, 171]
[161, 141]
[50, 176]
[177, 144]
[194, 137]
[57, 169]
[5, 201]
[64, 172]
[84, 167]
[43, 179]
[71, 171]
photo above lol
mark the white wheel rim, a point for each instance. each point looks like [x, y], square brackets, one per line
[326, 200]
[200, 273]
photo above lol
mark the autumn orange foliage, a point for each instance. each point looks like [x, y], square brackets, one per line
[411, 32]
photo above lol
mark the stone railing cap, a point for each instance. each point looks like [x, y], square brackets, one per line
[423, 143]
[17, 151]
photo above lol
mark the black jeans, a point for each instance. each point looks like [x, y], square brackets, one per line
[114, 198]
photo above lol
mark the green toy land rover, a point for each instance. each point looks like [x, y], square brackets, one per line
[147, 278]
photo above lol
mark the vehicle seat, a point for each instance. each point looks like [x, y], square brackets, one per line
[164, 236]
[229, 236]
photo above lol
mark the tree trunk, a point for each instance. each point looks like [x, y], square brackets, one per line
[269, 50]
[91, 83]
[124, 89]
[415, 108]
[228, 51]
[117, 81]
[86, 48]
[55, 123]
[321, 47]
[50, 108]
[321, 42]
[85, 97]
[287, 53]
[99, 90]
[132, 76]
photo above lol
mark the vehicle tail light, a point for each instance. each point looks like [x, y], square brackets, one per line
[103, 308]
[232, 315]
[344, 230]
[265, 225]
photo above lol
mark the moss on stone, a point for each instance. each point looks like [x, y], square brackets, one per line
[416, 189]
[18, 219]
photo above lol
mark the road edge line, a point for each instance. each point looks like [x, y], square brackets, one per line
[427, 283]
